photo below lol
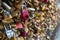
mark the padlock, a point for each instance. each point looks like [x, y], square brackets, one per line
[44, 7]
[26, 30]
[36, 3]
[25, 14]
[31, 34]
[21, 38]
[38, 21]
[9, 32]
[13, 25]
[5, 5]
[31, 9]
[42, 35]
[42, 18]
[15, 14]
[7, 21]
[14, 38]
[53, 17]
[38, 8]
[24, 34]
[7, 15]
[19, 25]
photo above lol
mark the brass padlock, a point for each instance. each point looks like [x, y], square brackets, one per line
[21, 38]
[15, 13]
[36, 3]
[7, 21]
[13, 25]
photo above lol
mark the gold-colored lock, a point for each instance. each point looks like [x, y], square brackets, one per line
[21, 38]
[38, 15]
[42, 14]
[54, 17]
[38, 21]
[36, 3]
[30, 0]
[42, 34]
[37, 8]
[13, 26]
[44, 7]
[50, 6]
[51, 27]
[15, 13]
[7, 21]
[26, 29]
[31, 34]
[42, 18]
[14, 38]
[38, 31]
[10, 16]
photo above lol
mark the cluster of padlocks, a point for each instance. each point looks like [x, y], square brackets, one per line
[27, 19]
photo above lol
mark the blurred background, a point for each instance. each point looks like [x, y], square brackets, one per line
[57, 31]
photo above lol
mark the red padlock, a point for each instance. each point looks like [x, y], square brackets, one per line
[19, 25]
[25, 15]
